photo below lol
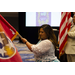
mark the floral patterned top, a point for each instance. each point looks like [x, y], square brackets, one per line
[44, 51]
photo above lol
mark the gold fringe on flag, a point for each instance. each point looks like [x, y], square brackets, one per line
[14, 36]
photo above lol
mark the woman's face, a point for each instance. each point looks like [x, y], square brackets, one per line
[42, 34]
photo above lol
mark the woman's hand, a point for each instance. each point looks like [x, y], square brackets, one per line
[23, 40]
[28, 44]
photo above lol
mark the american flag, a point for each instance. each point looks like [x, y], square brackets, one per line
[63, 30]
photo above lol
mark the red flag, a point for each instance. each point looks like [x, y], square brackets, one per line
[63, 30]
[8, 29]
[8, 52]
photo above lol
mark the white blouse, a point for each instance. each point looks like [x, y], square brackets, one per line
[44, 51]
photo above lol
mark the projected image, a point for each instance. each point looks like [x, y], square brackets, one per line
[34, 19]
[43, 18]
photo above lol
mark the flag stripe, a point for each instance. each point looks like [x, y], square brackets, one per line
[63, 26]
[63, 38]
[63, 14]
[63, 44]
[63, 22]
[63, 19]
[63, 31]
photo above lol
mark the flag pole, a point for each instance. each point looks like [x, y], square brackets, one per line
[20, 36]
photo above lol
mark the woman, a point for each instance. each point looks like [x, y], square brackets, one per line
[44, 50]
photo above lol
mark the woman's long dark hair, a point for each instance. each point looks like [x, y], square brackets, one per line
[50, 34]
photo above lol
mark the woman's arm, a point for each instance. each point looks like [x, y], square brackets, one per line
[42, 47]
[28, 44]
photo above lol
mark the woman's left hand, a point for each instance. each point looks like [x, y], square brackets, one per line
[24, 40]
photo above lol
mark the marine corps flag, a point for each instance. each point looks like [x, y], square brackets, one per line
[8, 52]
